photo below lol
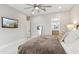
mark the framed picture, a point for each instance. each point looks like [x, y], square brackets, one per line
[9, 23]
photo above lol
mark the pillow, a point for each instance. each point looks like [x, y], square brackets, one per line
[72, 36]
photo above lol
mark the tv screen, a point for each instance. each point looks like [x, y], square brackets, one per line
[9, 23]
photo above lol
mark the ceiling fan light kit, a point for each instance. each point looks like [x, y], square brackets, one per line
[37, 7]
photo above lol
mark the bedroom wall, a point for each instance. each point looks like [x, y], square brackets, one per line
[45, 21]
[8, 35]
[75, 13]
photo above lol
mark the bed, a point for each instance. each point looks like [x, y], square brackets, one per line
[41, 45]
[71, 42]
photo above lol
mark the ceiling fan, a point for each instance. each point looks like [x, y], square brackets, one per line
[37, 7]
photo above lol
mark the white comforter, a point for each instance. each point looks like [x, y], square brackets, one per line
[71, 42]
[71, 48]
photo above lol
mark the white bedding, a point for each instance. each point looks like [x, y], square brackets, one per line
[71, 42]
[71, 48]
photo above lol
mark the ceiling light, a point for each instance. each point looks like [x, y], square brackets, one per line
[36, 8]
[59, 7]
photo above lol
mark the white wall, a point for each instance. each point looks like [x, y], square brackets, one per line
[45, 21]
[75, 13]
[65, 19]
[8, 35]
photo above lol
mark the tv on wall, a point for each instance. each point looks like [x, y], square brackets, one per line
[9, 23]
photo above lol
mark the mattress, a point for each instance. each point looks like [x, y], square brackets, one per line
[41, 45]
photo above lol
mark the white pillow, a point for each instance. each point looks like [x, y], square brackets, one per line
[72, 36]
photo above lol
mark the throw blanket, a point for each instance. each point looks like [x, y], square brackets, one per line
[41, 45]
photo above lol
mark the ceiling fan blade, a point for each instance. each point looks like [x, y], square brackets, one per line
[43, 9]
[29, 4]
[46, 6]
[40, 4]
[28, 7]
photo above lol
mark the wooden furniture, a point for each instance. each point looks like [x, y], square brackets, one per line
[55, 32]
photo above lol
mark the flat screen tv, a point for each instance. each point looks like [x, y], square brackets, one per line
[9, 23]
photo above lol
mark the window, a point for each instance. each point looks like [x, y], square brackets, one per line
[55, 24]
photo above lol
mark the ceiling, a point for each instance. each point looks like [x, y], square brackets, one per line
[54, 8]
